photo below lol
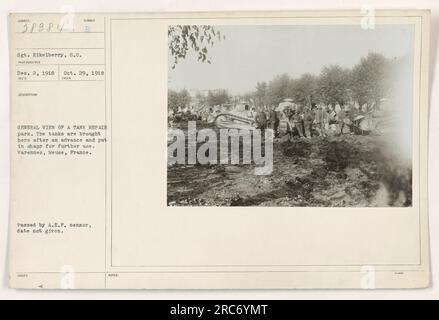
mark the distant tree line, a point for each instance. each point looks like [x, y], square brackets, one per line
[178, 99]
[183, 99]
[366, 83]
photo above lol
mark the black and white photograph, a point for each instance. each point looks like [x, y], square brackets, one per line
[230, 151]
[290, 115]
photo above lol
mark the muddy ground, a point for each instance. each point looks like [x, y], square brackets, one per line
[338, 171]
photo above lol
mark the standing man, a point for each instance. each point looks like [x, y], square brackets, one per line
[298, 122]
[341, 117]
[321, 117]
[251, 113]
[326, 119]
[291, 123]
[273, 120]
[260, 119]
[308, 119]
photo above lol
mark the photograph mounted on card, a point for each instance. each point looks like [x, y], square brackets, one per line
[219, 150]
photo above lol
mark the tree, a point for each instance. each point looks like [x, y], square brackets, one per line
[202, 100]
[260, 94]
[369, 79]
[185, 98]
[333, 85]
[173, 100]
[278, 89]
[217, 97]
[183, 38]
[367, 82]
[178, 100]
[304, 90]
[249, 97]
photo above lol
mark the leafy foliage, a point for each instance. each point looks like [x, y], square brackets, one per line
[178, 99]
[369, 79]
[278, 89]
[261, 94]
[304, 90]
[333, 85]
[367, 82]
[217, 97]
[183, 38]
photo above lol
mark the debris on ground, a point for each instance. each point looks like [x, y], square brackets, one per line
[337, 171]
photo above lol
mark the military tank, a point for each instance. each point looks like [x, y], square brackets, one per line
[237, 117]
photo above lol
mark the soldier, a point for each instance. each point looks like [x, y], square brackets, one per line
[251, 113]
[308, 118]
[260, 119]
[353, 117]
[297, 121]
[289, 113]
[321, 120]
[341, 117]
[326, 119]
[273, 120]
[332, 115]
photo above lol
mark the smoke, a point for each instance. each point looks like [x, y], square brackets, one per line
[398, 120]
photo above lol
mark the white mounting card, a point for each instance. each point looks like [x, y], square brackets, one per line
[219, 150]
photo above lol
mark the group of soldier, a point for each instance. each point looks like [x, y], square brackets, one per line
[302, 121]
[306, 121]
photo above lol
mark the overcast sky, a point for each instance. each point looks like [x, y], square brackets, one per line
[252, 54]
